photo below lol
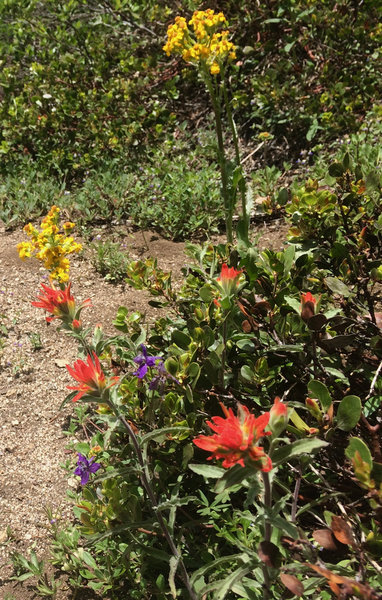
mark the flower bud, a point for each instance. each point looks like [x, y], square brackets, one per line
[278, 419]
[314, 409]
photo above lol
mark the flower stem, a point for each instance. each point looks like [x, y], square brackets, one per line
[145, 479]
[216, 105]
[242, 184]
[268, 504]
[267, 529]
[224, 353]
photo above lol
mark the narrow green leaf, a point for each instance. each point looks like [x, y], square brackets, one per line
[207, 471]
[214, 564]
[171, 576]
[229, 581]
[288, 258]
[161, 434]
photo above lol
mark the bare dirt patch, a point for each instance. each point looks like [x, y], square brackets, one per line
[33, 445]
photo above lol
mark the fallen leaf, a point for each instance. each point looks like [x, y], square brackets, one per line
[342, 531]
[293, 584]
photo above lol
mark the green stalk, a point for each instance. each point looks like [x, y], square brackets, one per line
[216, 105]
[267, 529]
[224, 353]
[145, 479]
[242, 185]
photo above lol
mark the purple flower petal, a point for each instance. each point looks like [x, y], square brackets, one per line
[85, 467]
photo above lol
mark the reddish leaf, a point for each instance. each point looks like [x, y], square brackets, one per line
[293, 584]
[269, 554]
[326, 539]
[342, 531]
[246, 326]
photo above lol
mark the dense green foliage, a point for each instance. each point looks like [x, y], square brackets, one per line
[83, 82]
[96, 117]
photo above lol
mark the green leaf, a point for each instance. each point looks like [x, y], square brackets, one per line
[88, 559]
[293, 303]
[230, 580]
[372, 405]
[246, 372]
[346, 161]
[233, 476]
[214, 564]
[304, 446]
[337, 286]
[288, 259]
[207, 471]
[358, 445]
[161, 434]
[336, 169]
[320, 392]
[205, 293]
[349, 413]
[174, 561]
[181, 339]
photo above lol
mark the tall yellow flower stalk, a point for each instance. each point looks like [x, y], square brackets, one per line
[50, 246]
[204, 42]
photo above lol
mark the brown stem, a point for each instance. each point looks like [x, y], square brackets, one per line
[375, 441]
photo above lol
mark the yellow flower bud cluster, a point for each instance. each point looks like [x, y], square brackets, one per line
[206, 46]
[50, 246]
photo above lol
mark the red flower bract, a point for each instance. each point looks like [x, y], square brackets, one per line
[229, 279]
[90, 376]
[308, 306]
[228, 273]
[60, 303]
[235, 438]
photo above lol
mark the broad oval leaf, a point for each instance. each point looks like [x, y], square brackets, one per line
[337, 286]
[349, 413]
[358, 445]
[319, 391]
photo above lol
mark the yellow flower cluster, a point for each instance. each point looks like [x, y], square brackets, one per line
[206, 46]
[50, 246]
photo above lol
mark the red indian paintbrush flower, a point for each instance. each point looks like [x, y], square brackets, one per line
[229, 279]
[60, 303]
[90, 376]
[235, 438]
[308, 306]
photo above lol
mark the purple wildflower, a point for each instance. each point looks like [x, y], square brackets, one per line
[85, 467]
[158, 382]
[144, 361]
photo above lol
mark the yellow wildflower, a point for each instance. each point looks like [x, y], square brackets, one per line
[206, 46]
[215, 69]
[50, 246]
